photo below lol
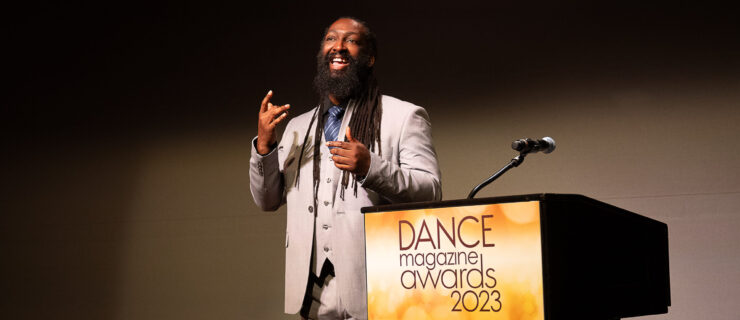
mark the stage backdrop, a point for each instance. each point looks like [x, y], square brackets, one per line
[127, 128]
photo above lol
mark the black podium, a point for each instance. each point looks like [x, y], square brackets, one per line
[597, 261]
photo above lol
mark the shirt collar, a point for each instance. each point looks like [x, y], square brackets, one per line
[328, 104]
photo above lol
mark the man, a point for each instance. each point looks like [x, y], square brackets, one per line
[356, 149]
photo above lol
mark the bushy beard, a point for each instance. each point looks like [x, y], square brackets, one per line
[341, 84]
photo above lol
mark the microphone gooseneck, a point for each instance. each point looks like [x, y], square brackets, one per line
[524, 146]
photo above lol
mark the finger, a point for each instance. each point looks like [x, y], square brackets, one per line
[270, 106]
[338, 144]
[279, 119]
[349, 136]
[341, 152]
[281, 109]
[265, 101]
[276, 111]
[341, 161]
[343, 166]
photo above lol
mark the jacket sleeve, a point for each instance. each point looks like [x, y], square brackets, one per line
[266, 180]
[416, 176]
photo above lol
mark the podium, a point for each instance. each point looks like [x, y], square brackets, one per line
[537, 256]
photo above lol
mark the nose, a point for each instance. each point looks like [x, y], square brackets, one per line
[338, 46]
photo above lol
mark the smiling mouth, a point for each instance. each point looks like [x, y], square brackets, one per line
[338, 63]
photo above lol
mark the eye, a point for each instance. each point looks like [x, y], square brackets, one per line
[330, 38]
[352, 41]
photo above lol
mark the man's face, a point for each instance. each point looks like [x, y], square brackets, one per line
[344, 40]
[343, 61]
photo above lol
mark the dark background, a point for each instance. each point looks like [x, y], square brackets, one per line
[121, 67]
[127, 128]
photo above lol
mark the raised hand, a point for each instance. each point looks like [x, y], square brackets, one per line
[351, 155]
[270, 116]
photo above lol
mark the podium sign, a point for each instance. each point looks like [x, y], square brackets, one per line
[461, 262]
[537, 256]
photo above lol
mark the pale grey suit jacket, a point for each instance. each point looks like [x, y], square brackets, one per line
[407, 171]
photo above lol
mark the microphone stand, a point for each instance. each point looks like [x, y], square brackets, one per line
[515, 162]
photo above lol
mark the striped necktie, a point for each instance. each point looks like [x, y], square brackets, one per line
[333, 122]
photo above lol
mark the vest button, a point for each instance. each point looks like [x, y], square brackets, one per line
[310, 209]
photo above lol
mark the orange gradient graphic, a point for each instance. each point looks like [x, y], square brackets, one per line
[472, 262]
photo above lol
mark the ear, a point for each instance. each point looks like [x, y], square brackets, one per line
[372, 62]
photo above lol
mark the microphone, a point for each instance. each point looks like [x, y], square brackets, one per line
[526, 145]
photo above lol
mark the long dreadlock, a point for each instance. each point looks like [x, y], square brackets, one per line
[364, 124]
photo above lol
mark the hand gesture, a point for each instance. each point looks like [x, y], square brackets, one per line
[270, 116]
[350, 156]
